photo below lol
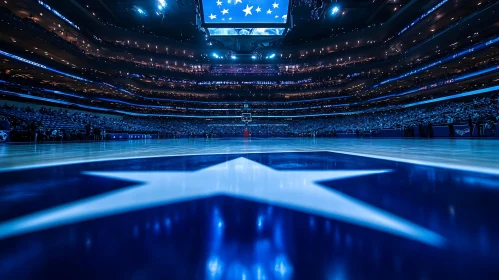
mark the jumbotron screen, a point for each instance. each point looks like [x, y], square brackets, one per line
[245, 11]
[246, 31]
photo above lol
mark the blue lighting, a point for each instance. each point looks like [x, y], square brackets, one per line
[236, 102]
[28, 96]
[259, 222]
[214, 266]
[133, 104]
[63, 93]
[335, 10]
[421, 88]
[233, 57]
[271, 56]
[42, 66]
[246, 31]
[58, 14]
[161, 6]
[215, 55]
[253, 57]
[433, 85]
[245, 11]
[477, 73]
[423, 16]
[442, 61]
[464, 94]
[140, 11]
[283, 267]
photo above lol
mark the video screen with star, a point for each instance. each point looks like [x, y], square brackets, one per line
[245, 11]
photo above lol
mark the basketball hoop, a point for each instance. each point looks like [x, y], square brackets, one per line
[246, 117]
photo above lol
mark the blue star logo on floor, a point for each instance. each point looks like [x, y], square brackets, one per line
[247, 216]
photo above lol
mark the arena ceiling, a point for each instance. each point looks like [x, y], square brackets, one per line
[180, 19]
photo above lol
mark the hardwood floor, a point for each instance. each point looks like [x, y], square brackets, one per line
[474, 155]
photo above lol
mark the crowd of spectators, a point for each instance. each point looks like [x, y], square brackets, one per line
[321, 86]
[115, 57]
[219, 103]
[483, 111]
[28, 124]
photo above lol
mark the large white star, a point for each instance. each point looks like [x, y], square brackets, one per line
[275, 5]
[248, 10]
[212, 16]
[269, 12]
[258, 9]
[225, 11]
[240, 178]
[219, 3]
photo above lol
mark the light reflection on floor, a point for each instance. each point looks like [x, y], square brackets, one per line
[227, 237]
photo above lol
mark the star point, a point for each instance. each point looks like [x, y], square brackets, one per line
[269, 12]
[238, 1]
[225, 11]
[258, 9]
[239, 178]
[219, 3]
[275, 5]
[212, 16]
[247, 11]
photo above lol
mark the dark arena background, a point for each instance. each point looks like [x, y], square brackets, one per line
[249, 139]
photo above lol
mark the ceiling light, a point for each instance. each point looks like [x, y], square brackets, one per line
[335, 10]
[140, 11]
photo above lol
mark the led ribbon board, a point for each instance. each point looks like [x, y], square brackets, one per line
[42, 66]
[423, 16]
[459, 95]
[246, 31]
[444, 60]
[58, 14]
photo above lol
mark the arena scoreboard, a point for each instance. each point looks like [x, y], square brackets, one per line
[245, 17]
